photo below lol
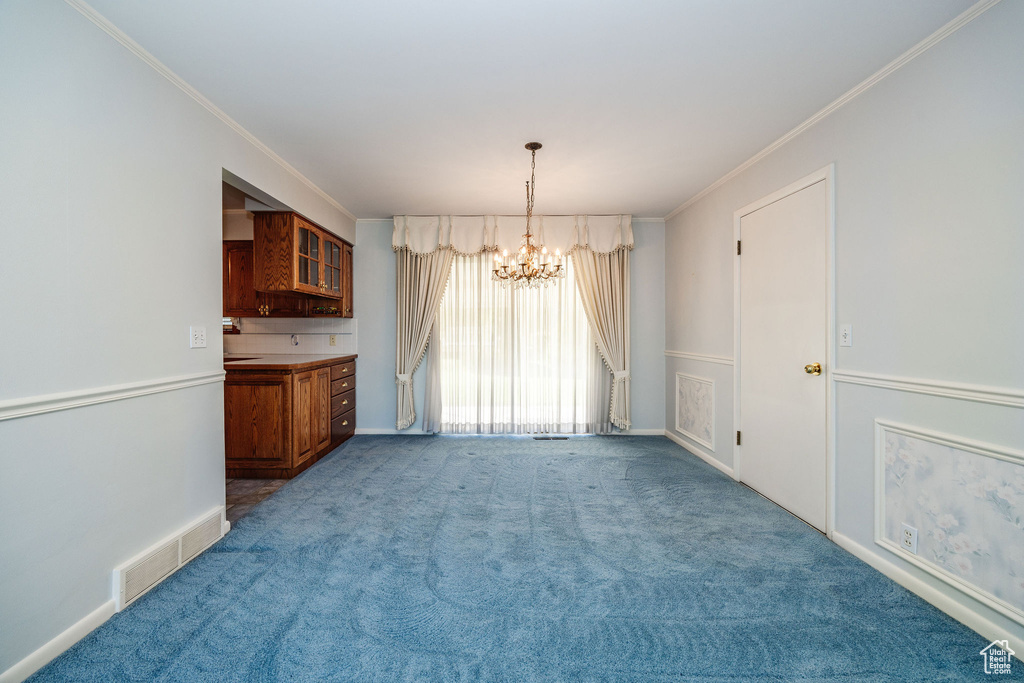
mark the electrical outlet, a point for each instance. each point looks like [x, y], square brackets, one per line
[846, 335]
[197, 337]
[908, 538]
[295, 340]
[332, 341]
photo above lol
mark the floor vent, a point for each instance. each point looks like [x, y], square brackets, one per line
[135, 577]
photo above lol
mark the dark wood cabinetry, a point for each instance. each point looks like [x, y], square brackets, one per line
[343, 400]
[241, 300]
[280, 419]
[291, 254]
[346, 281]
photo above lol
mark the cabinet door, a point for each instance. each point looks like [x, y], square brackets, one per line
[302, 415]
[322, 410]
[346, 279]
[332, 267]
[284, 305]
[240, 297]
[254, 413]
[308, 258]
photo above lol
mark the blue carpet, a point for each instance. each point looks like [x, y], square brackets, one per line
[507, 559]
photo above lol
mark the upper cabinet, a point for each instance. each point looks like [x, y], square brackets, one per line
[240, 296]
[294, 255]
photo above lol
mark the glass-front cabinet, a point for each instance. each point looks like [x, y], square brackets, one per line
[309, 257]
[292, 254]
[332, 268]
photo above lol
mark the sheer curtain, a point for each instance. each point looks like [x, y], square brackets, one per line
[514, 361]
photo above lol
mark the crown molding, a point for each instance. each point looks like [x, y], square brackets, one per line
[949, 29]
[117, 34]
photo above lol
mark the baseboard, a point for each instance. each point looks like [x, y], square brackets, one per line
[41, 657]
[699, 452]
[640, 432]
[418, 432]
[972, 619]
[403, 432]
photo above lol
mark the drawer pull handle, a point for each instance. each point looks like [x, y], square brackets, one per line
[345, 402]
[344, 423]
[345, 384]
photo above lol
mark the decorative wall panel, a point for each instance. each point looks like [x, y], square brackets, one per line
[966, 501]
[695, 409]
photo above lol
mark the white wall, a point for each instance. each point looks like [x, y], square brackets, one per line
[110, 183]
[929, 170]
[375, 312]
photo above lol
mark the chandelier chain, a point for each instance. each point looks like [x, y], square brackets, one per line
[532, 265]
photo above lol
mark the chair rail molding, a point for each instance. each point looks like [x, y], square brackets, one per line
[1000, 396]
[704, 358]
[50, 403]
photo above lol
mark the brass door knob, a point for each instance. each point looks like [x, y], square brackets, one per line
[813, 369]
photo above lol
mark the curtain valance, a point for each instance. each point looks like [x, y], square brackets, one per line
[473, 234]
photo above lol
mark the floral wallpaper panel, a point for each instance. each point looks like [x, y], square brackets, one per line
[968, 509]
[695, 409]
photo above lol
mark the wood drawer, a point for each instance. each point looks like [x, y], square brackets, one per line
[339, 370]
[343, 425]
[343, 384]
[342, 403]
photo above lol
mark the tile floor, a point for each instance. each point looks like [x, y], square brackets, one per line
[244, 494]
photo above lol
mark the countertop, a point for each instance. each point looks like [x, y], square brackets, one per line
[282, 361]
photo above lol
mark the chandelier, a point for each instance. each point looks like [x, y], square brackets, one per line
[532, 265]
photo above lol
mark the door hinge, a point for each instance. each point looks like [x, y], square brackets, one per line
[738, 250]
[738, 438]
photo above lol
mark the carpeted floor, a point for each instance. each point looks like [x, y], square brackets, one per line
[507, 559]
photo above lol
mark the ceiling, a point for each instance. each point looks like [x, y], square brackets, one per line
[401, 106]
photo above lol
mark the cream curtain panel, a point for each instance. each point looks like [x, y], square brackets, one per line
[426, 246]
[603, 284]
[421, 279]
[513, 361]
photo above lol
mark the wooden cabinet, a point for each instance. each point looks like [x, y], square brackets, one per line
[346, 279]
[279, 420]
[241, 299]
[294, 255]
[254, 429]
[343, 400]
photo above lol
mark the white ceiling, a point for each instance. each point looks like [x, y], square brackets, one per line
[404, 106]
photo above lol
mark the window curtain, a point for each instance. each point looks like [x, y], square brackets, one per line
[603, 284]
[513, 361]
[426, 247]
[421, 280]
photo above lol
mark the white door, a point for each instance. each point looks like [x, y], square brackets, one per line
[783, 327]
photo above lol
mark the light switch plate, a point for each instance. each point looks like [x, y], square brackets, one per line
[846, 335]
[197, 337]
